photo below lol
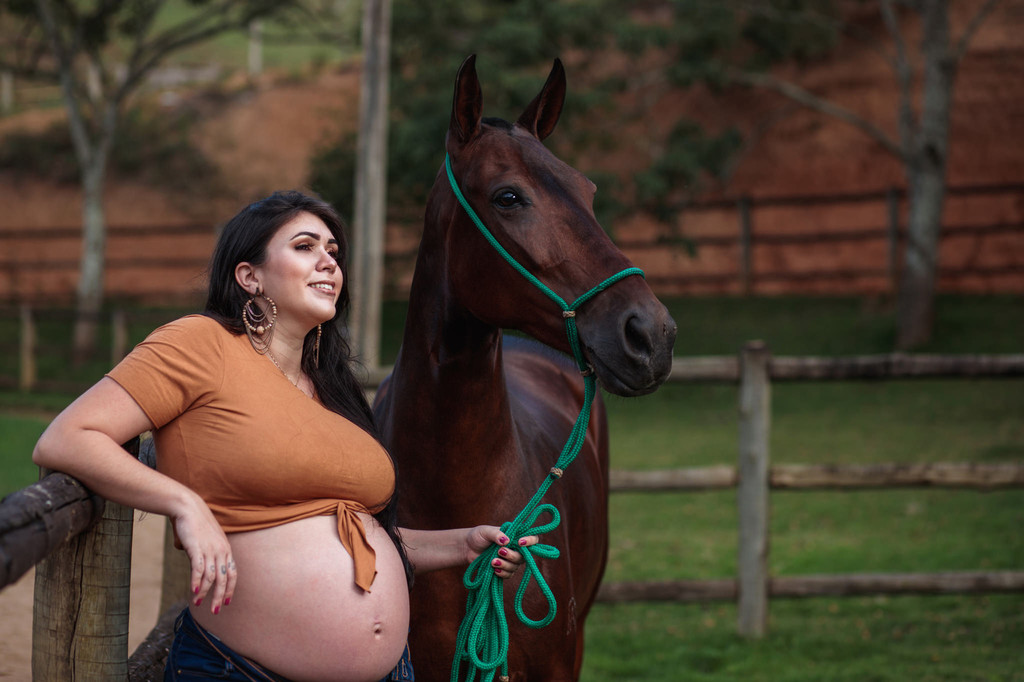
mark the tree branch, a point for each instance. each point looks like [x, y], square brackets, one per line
[893, 26]
[819, 104]
[65, 59]
[866, 38]
[904, 73]
[972, 28]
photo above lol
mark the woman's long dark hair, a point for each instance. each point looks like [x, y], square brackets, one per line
[244, 240]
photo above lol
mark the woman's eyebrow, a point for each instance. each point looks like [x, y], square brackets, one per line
[314, 235]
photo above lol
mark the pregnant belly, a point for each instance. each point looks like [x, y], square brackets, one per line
[297, 609]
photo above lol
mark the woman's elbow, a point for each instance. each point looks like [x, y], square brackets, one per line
[47, 450]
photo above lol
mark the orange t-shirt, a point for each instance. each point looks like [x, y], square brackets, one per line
[231, 426]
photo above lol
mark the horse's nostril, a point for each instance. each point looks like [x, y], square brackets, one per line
[637, 340]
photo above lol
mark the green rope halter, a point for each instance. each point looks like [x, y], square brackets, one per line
[483, 635]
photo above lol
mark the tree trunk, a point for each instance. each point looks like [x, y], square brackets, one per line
[371, 184]
[926, 180]
[90, 278]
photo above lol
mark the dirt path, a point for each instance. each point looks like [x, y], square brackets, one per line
[16, 602]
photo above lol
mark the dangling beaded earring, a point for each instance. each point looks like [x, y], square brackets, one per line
[259, 327]
[316, 348]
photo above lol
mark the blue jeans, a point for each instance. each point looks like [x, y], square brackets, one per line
[196, 654]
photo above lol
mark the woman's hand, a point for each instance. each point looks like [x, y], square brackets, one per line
[209, 553]
[508, 561]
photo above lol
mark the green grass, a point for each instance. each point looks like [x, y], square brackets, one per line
[693, 535]
[18, 435]
[881, 639]
[288, 43]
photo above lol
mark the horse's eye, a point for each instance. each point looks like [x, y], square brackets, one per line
[506, 198]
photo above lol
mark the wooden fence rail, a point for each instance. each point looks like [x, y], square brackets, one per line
[735, 268]
[754, 478]
[81, 605]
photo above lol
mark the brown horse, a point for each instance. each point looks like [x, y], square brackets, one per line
[475, 421]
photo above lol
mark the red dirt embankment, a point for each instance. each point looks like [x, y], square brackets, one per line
[262, 139]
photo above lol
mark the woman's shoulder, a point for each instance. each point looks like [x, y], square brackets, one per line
[191, 328]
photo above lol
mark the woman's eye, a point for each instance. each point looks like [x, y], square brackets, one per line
[506, 198]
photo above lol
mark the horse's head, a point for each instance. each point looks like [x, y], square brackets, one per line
[540, 210]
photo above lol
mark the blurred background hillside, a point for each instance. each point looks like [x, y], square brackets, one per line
[209, 132]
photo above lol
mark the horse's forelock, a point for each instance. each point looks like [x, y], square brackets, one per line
[497, 123]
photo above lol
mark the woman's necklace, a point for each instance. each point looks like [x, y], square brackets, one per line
[286, 376]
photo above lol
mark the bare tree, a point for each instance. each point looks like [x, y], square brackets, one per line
[101, 53]
[926, 81]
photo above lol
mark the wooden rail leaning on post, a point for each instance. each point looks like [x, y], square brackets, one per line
[80, 611]
[81, 547]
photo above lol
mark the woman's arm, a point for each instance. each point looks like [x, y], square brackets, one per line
[430, 550]
[84, 441]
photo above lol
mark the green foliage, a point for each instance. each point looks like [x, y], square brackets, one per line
[48, 154]
[153, 145]
[695, 40]
[332, 173]
[689, 153]
[515, 42]
[791, 29]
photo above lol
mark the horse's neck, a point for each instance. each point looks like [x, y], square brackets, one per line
[448, 378]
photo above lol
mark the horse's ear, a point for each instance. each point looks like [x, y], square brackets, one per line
[542, 114]
[468, 103]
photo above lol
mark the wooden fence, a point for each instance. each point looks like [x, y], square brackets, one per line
[28, 348]
[82, 583]
[750, 255]
[750, 237]
[754, 478]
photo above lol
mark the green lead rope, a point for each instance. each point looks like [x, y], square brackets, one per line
[482, 642]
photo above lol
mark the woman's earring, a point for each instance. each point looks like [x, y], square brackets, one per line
[316, 348]
[259, 324]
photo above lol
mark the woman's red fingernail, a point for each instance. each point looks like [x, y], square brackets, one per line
[216, 610]
[196, 591]
[199, 602]
[497, 562]
[503, 540]
[227, 601]
[503, 552]
[522, 542]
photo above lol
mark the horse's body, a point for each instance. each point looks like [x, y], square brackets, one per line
[475, 422]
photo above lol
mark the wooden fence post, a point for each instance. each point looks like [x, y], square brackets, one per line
[746, 246]
[255, 55]
[80, 610]
[6, 92]
[177, 572]
[27, 350]
[752, 490]
[118, 336]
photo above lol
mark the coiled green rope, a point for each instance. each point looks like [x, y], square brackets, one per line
[482, 643]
